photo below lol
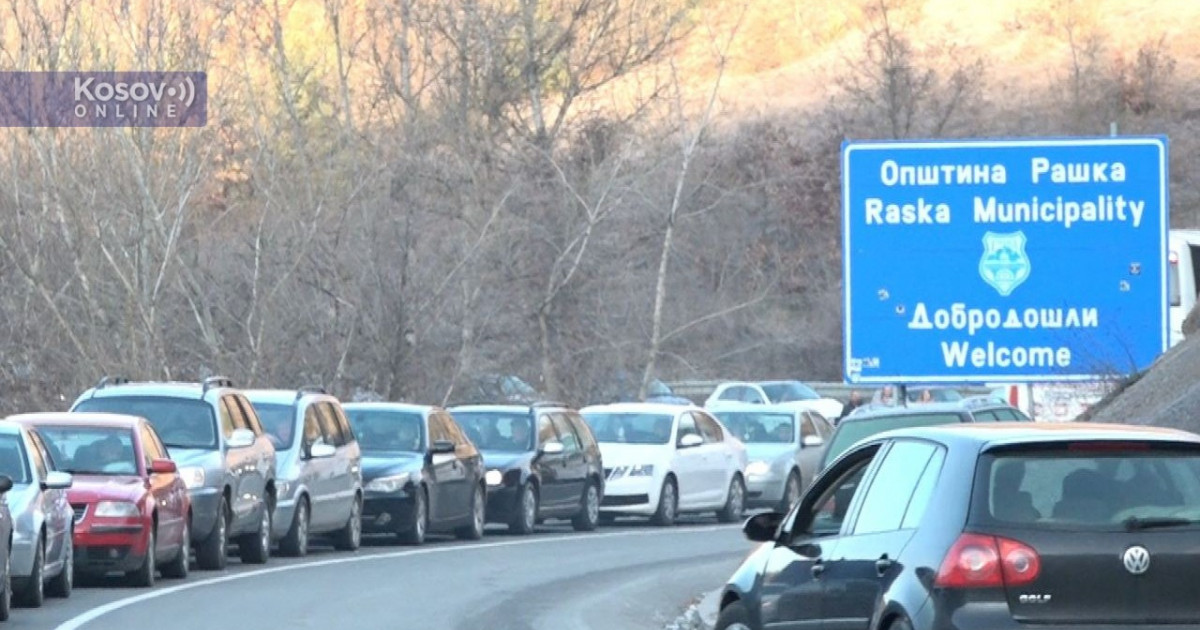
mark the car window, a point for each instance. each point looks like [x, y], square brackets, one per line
[984, 416]
[312, 427]
[12, 462]
[833, 505]
[451, 427]
[329, 425]
[824, 429]
[732, 393]
[339, 415]
[384, 430]
[249, 415]
[180, 422]
[438, 429]
[628, 427]
[237, 415]
[501, 431]
[1007, 415]
[37, 456]
[545, 427]
[566, 434]
[807, 428]
[149, 453]
[760, 427]
[924, 491]
[226, 417]
[582, 430]
[159, 450]
[892, 488]
[687, 426]
[709, 429]
[851, 431]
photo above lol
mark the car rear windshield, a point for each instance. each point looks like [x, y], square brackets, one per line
[12, 462]
[91, 450]
[851, 431]
[180, 422]
[627, 427]
[504, 431]
[388, 430]
[1089, 486]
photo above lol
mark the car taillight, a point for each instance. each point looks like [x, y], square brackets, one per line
[981, 561]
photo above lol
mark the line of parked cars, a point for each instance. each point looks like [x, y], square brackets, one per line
[147, 479]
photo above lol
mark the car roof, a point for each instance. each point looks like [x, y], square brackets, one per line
[997, 434]
[160, 389]
[282, 396]
[81, 418]
[391, 406]
[889, 411]
[643, 407]
[737, 405]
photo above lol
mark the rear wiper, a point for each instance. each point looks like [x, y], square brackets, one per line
[1134, 523]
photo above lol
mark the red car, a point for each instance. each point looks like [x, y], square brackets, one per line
[132, 510]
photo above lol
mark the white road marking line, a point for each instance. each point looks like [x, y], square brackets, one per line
[78, 621]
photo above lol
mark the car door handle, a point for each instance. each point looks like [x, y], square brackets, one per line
[882, 565]
[818, 568]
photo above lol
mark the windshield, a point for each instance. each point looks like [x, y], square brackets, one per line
[630, 427]
[1080, 488]
[12, 462]
[180, 422]
[91, 450]
[504, 431]
[789, 391]
[759, 428]
[852, 431]
[278, 421]
[388, 430]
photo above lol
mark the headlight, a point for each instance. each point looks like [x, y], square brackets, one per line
[388, 485]
[758, 468]
[493, 477]
[117, 509]
[282, 487]
[645, 470]
[193, 476]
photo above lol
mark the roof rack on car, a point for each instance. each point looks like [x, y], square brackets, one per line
[309, 389]
[548, 403]
[215, 381]
[111, 380]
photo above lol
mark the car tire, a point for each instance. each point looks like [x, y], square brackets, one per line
[474, 531]
[349, 537]
[414, 534]
[791, 492]
[668, 504]
[144, 575]
[589, 509]
[177, 569]
[733, 617]
[255, 548]
[7, 596]
[525, 518]
[34, 593]
[213, 553]
[295, 543]
[63, 583]
[735, 501]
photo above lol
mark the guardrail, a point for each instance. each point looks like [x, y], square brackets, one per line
[700, 390]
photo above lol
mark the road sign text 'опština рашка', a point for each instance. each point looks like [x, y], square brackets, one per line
[1015, 260]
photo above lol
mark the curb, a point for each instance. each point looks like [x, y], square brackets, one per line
[700, 615]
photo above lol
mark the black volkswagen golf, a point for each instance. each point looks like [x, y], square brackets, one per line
[991, 526]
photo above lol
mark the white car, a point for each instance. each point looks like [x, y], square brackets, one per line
[793, 393]
[662, 460]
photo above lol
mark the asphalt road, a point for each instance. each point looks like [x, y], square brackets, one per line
[630, 576]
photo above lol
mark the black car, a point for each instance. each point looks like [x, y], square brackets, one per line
[865, 422]
[984, 525]
[542, 460]
[421, 473]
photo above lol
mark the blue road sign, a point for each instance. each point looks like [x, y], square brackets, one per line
[1004, 260]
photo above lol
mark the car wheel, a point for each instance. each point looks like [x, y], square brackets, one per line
[213, 553]
[6, 596]
[64, 582]
[589, 509]
[668, 504]
[474, 531]
[349, 537]
[735, 501]
[177, 569]
[733, 617]
[791, 493]
[414, 534]
[295, 543]
[144, 575]
[525, 518]
[256, 548]
[34, 592]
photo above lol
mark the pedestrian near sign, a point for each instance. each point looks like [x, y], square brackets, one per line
[1004, 260]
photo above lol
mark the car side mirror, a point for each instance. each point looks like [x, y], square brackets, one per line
[57, 480]
[163, 467]
[441, 446]
[321, 449]
[553, 447]
[240, 438]
[811, 440]
[763, 527]
[690, 440]
[6, 483]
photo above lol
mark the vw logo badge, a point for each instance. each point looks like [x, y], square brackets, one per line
[1136, 559]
